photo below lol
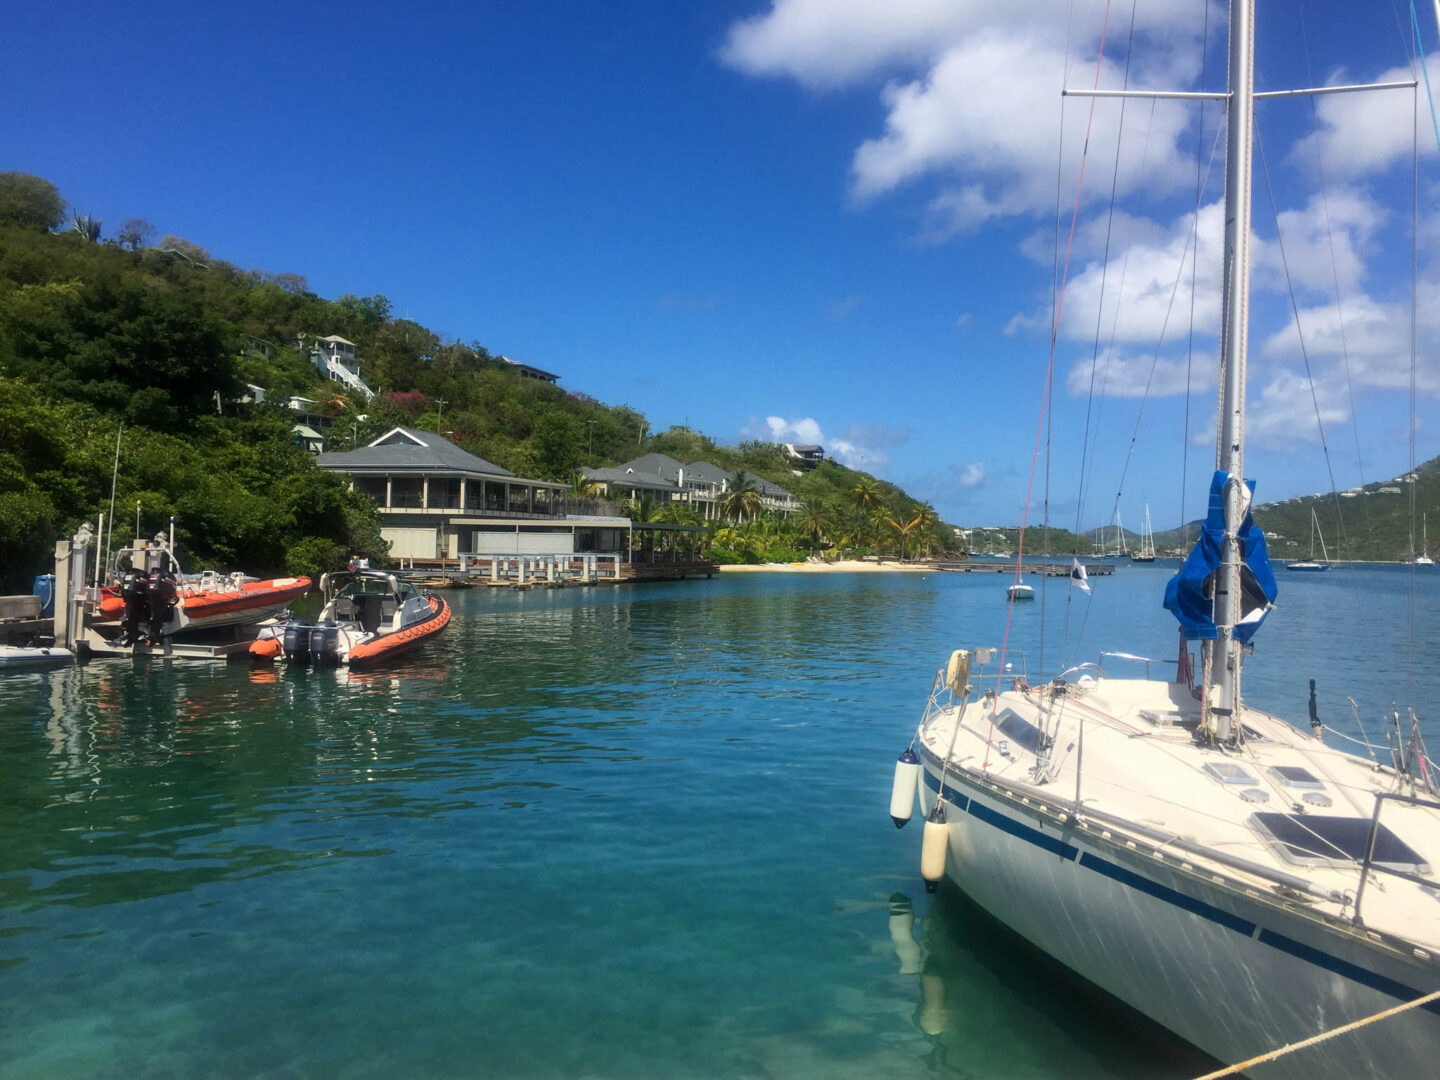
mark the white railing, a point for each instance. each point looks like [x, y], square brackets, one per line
[349, 378]
[540, 569]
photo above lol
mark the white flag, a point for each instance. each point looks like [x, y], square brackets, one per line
[1078, 577]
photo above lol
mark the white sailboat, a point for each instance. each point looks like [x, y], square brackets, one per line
[1147, 540]
[1423, 559]
[1214, 867]
[1310, 565]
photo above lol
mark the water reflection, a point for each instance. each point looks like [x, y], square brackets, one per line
[977, 984]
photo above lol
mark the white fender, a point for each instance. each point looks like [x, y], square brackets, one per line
[933, 848]
[902, 791]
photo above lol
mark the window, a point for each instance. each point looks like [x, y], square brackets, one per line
[1330, 840]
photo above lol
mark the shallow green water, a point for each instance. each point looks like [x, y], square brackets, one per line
[633, 832]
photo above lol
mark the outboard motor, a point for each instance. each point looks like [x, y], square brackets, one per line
[135, 591]
[162, 597]
[325, 643]
[297, 641]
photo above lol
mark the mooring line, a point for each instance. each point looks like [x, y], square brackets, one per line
[1290, 1048]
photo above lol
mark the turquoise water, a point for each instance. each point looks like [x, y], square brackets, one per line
[598, 832]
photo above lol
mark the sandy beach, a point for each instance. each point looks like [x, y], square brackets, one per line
[842, 566]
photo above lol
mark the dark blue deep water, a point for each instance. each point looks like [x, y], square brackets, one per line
[601, 832]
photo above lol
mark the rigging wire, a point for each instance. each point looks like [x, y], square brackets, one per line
[1425, 69]
[1100, 312]
[1160, 344]
[1411, 476]
[1194, 271]
[1050, 365]
[1343, 538]
[1334, 271]
[1300, 337]
[1055, 288]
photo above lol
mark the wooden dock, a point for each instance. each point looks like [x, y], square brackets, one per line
[547, 571]
[1048, 569]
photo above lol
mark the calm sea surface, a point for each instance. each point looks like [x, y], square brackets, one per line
[612, 833]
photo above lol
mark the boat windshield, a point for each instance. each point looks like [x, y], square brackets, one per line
[368, 586]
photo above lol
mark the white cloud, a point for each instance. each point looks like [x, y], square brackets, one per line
[1140, 295]
[972, 94]
[1125, 375]
[1284, 412]
[829, 43]
[1138, 286]
[860, 446]
[842, 309]
[1367, 132]
[1375, 343]
[973, 474]
[1324, 241]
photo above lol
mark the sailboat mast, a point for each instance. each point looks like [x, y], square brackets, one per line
[1223, 654]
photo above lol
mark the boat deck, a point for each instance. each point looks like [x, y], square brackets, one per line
[1284, 812]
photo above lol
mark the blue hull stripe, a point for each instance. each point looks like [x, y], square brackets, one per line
[1163, 892]
[1353, 972]
[1005, 824]
[1175, 898]
[1052, 844]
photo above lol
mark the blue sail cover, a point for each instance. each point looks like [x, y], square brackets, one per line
[1187, 596]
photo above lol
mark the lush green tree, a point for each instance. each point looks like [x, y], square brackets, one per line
[903, 528]
[30, 202]
[742, 502]
[163, 337]
[867, 495]
[558, 443]
[813, 522]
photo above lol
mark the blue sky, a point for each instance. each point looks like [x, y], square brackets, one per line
[826, 220]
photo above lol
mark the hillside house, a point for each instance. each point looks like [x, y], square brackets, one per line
[437, 501]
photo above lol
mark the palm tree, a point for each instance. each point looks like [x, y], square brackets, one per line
[582, 487]
[813, 523]
[742, 502]
[642, 508]
[929, 519]
[904, 528]
[867, 495]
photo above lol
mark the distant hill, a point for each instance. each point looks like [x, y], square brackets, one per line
[1038, 541]
[1369, 524]
[1372, 523]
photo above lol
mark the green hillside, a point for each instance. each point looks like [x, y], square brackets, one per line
[161, 338]
[1372, 523]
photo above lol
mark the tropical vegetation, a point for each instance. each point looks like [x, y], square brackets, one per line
[151, 343]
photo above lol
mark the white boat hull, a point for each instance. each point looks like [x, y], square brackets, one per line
[1233, 975]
